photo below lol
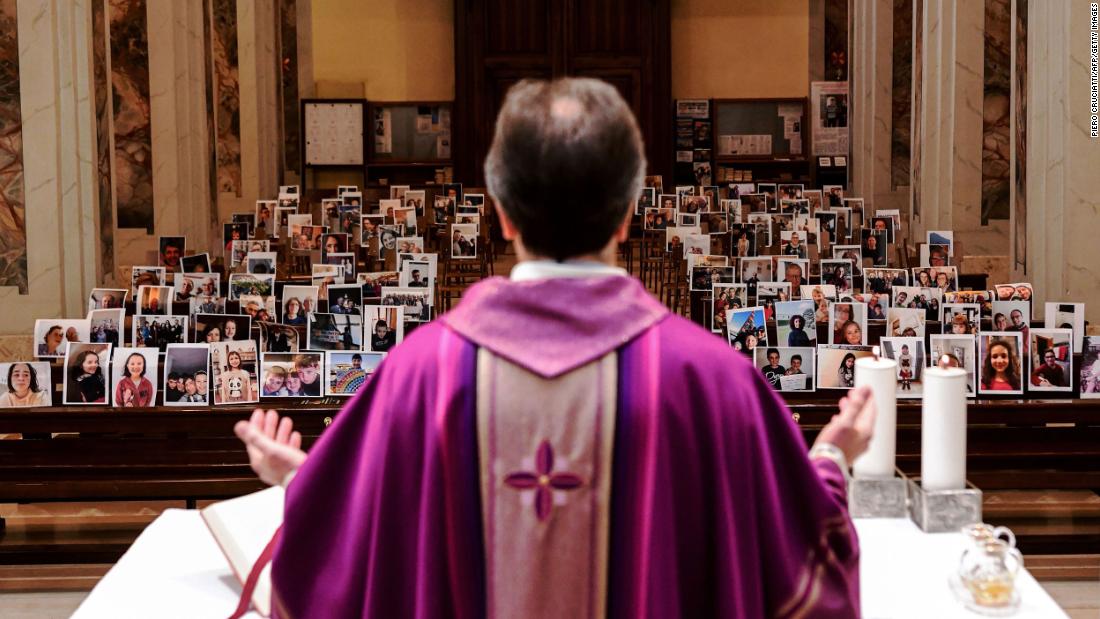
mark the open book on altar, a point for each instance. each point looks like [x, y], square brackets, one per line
[243, 527]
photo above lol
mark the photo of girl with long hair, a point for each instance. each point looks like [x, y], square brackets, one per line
[234, 366]
[86, 373]
[134, 377]
[999, 353]
[25, 383]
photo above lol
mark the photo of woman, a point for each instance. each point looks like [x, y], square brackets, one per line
[25, 384]
[85, 373]
[1000, 362]
[50, 336]
[848, 323]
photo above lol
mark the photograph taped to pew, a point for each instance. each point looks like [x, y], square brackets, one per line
[1050, 360]
[1090, 367]
[820, 295]
[158, 331]
[1014, 292]
[106, 326]
[1011, 316]
[959, 351]
[787, 368]
[795, 324]
[298, 302]
[199, 263]
[746, 329]
[25, 383]
[726, 297]
[145, 276]
[261, 262]
[905, 322]
[1067, 316]
[213, 328]
[291, 375]
[154, 301]
[961, 318]
[347, 372]
[848, 323]
[326, 331]
[387, 327]
[134, 380]
[250, 283]
[275, 337]
[703, 278]
[1001, 363]
[345, 299]
[106, 298]
[86, 368]
[836, 365]
[186, 374]
[413, 300]
[186, 286]
[373, 283]
[909, 354]
[463, 241]
[170, 252]
[234, 367]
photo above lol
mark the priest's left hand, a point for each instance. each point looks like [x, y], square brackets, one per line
[274, 448]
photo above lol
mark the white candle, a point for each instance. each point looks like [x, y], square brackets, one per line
[943, 429]
[881, 376]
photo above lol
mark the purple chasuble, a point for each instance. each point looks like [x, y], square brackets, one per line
[410, 506]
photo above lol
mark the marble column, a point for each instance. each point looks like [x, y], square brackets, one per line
[59, 169]
[871, 115]
[947, 170]
[1063, 186]
[180, 144]
[259, 84]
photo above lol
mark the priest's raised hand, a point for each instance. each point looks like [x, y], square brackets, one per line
[274, 447]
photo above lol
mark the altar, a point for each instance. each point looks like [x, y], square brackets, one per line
[175, 569]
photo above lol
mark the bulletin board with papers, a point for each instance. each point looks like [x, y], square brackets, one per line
[411, 131]
[334, 132]
[759, 127]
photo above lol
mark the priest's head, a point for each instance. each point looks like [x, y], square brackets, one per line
[565, 167]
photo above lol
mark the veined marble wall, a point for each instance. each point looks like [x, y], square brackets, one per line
[101, 92]
[58, 167]
[996, 121]
[1019, 135]
[288, 81]
[837, 53]
[227, 95]
[1062, 158]
[133, 160]
[902, 91]
[915, 109]
[13, 230]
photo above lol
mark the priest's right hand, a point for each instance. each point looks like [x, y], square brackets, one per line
[274, 447]
[851, 429]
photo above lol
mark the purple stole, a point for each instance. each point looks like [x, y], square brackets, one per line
[545, 456]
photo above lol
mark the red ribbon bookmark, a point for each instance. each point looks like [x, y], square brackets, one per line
[254, 577]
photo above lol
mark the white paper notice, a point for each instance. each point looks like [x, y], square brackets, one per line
[383, 132]
[334, 133]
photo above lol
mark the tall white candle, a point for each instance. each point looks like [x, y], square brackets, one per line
[881, 376]
[943, 429]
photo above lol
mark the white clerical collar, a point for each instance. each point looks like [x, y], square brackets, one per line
[544, 269]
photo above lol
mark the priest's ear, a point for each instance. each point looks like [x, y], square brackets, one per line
[507, 228]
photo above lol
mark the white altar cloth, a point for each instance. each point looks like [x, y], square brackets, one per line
[175, 569]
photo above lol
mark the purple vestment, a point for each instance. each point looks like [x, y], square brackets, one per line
[715, 510]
